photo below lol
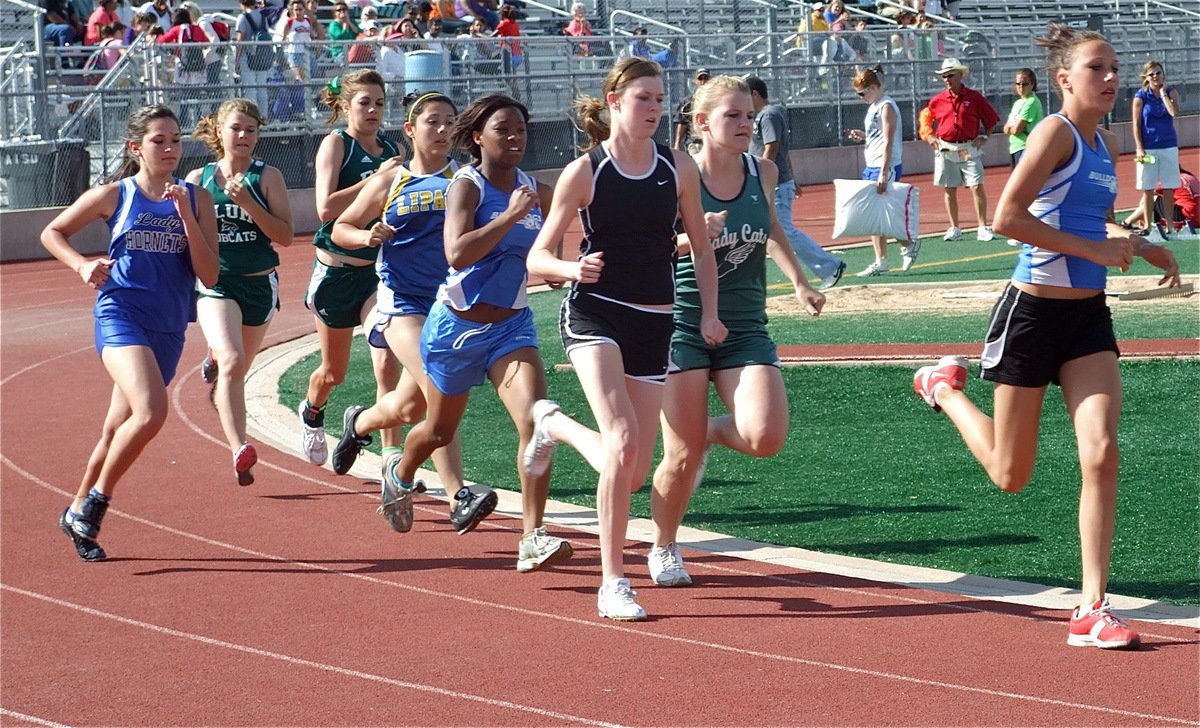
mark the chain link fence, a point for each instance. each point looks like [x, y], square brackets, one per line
[62, 125]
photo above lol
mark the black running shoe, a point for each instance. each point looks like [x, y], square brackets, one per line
[347, 449]
[208, 370]
[474, 503]
[87, 521]
[87, 548]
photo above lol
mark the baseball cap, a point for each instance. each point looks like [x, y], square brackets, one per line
[369, 25]
[702, 73]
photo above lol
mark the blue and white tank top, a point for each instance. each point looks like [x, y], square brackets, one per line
[151, 281]
[1075, 199]
[413, 261]
[499, 277]
[873, 133]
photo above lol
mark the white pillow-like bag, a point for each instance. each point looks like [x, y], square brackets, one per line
[860, 210]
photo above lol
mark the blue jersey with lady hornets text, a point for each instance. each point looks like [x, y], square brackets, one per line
[151, 282]
[1076, 199]
[413, 261]
[499, 277]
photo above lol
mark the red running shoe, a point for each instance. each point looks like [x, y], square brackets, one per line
[1100, 627]
[243, 460]
[950, 370]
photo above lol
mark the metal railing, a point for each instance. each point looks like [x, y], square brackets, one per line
[87, 121]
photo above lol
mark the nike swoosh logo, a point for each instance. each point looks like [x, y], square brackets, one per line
[662, 182]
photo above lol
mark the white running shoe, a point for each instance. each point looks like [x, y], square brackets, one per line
[539, 549]
[666, 566]
[953, 233]
[617, 601]
[984, 234]
[312, 441]
[908, 254]
[536, 458]
[875, 269]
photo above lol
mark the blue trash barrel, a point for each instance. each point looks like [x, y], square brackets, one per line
[425, 71]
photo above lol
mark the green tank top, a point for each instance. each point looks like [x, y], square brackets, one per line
[357, 165]
[741, 251]
[245, 248]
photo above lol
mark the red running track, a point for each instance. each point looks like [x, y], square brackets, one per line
[291, 603]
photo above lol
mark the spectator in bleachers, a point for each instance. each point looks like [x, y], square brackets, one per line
[434, 40]
[405, 29]
[836, 53]
[368, 13]
[253, 64]
[962, 118]
[297, 31]
[1156, 144]
[638, 47]
[62, 24]
[668, 57]
[484, 10]
[951, 9]
[104, 14]
[1025, 113]
[447, 12]
[508, 28]
[391, 68]
[482, 54]
[124, 13]
[363, 52]
[188, 58]
[579, 27]
[860, 39]
[810, 34]
[341, 28]
[420, 13]
[141, 24]
[108, 52]
[902, 44]
[836, 12]
[217, 33]
[929, 43]
[161, 10]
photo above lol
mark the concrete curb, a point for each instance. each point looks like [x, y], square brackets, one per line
[273, 424]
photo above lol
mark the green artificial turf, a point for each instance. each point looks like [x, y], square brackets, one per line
[868, 470]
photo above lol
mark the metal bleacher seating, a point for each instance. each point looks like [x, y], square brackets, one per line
[45, 105]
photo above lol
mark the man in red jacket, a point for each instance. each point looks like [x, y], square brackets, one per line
[961, 119]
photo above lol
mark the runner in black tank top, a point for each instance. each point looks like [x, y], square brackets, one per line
[638, 241]
[616, 322]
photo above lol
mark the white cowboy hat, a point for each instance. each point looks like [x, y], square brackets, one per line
[950, 65]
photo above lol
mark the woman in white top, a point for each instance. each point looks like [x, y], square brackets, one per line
[883, 157]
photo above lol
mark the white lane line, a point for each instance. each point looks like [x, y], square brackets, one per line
[31, 718]
[615, 627]
[302, 662]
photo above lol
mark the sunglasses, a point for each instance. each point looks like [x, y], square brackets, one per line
[1022, 83]
[861, 93]
[1154, 74]
[948, 76]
